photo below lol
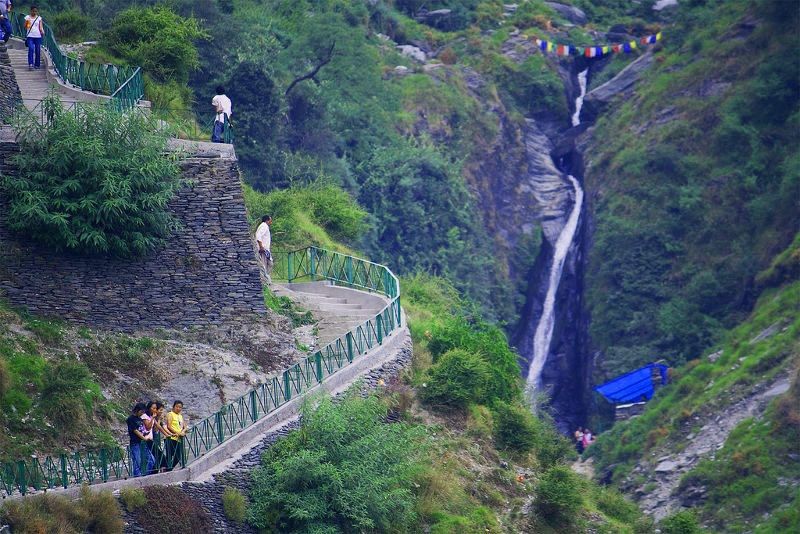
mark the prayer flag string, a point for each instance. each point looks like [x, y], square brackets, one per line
[596, 51]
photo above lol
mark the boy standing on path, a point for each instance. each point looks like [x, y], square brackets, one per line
[177, 429]
[264, 240]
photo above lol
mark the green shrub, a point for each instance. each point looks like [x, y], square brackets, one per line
[5, 378]
[93, 182]
[613, 504]
[92, 512]
[479, 337]
[170, 511]
[515, 427]
[559, 496]
[315, 214]
[70, 25]
[344, 470]
[132, 498]
[683, 522]
[458, 379]
[68, 394]
[156, 39]
[234, 504]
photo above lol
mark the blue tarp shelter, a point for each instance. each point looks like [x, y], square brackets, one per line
[631, 387]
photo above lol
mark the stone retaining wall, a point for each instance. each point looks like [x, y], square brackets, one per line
[9, 90]
[206, 274]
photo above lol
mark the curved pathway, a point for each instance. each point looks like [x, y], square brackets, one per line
[338, 310]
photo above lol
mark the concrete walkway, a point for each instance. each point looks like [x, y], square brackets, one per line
[338, 310]
[36, 84]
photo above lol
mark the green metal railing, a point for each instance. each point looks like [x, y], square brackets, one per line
[124, 84]
[308, 264]
[181, 123]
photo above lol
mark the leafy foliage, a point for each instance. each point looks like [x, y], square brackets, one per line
[696, 205]
[92, 512]
[132, 498]
[156, 39]
[234, 504]
[92, 182]
[458, 379]
[170, 511]
[559, 496]
[315, 214]
[345, 470]
[69, 395]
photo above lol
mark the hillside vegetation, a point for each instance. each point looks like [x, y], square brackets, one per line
[699, 183]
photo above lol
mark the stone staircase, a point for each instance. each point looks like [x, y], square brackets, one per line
[336, 309]
[36, 84]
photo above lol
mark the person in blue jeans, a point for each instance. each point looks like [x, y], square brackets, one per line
[5, 20]
[137, 434]
[34, 28]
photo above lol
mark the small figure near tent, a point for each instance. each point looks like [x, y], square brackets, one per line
[579, 440]
[588, 438]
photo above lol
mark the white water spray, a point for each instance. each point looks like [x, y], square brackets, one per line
[544, 330]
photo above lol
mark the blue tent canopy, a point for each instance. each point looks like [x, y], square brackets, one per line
[631, 387]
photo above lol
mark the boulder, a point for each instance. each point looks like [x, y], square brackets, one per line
[621, 84]
[571, 13]
[401, 70]
[413, 52]
[667, 466]
[664, 4]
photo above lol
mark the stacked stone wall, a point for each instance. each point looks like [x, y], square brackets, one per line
[206, 274]
[10, 95]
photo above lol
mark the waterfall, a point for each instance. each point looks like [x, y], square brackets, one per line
[544, 329]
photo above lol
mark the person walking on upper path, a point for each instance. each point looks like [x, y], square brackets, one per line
[5, 20]
[579, 440]
[176, 426]
[264, 240]
[34, 28]
[222, 105]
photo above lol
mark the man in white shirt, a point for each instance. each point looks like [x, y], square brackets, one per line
[222, 106]
[264, 240]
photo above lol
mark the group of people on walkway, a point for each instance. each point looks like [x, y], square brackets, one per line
[156, 439]
[583, 438]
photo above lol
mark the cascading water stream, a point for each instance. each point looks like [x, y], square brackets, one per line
[544, 329]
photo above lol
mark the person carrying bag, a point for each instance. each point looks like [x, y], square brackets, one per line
[33, 38]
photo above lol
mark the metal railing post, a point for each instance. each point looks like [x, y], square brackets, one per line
[253, 405]
[287, 388]
[349, 337]
[380, 330]
[22, 482]
[348, 265]
[64, 477]
[220, 429]
[318, 361]
[290, 266]
[312, 262]
[104, 465]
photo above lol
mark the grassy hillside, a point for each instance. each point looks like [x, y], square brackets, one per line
[698, 183]
[752, 481]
